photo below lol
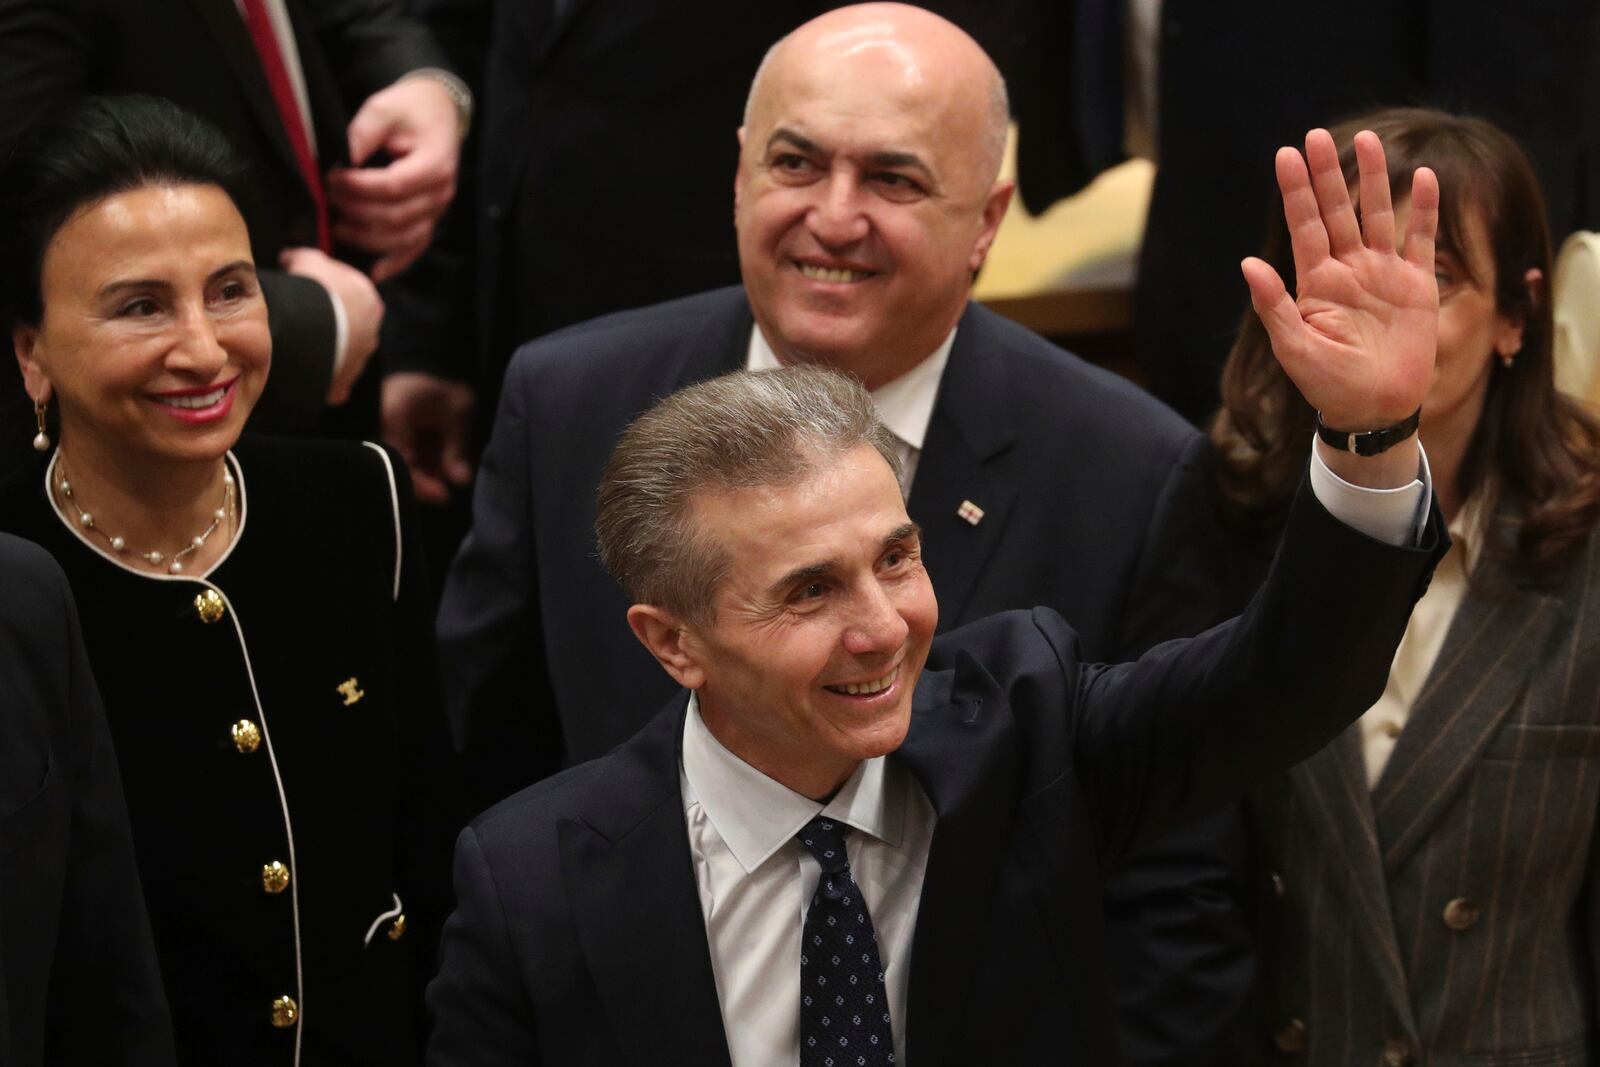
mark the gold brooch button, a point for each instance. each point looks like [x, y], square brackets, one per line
[246, 736]
[1292, 1037]
[285, 1012]
[1461, 914]
[208, 605]
[397, 931]
[274, 877]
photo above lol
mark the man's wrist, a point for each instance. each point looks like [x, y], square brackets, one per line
[455, 89]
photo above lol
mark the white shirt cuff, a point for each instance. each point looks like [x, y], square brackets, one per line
[1394, 516]
[341, 332]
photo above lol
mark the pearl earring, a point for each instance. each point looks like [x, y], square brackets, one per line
[41, 440]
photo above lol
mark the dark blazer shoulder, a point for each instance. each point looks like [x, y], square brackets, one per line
[1075, 396]
[710, 329]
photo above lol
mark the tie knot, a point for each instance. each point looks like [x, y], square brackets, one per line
[824, 839]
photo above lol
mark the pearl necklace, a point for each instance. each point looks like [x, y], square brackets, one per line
[155, 559]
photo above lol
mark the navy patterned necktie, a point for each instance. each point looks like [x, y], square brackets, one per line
[844, 1008]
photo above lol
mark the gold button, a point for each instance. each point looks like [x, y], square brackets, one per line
[208, 605]
[1391, 728]
[285, 1012]
[1461, 914]
[246, 736]
[1397, 1053]
[397, 931]
[1292, 1038]
[274, 877]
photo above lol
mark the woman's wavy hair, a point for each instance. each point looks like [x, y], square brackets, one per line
[1532, 446]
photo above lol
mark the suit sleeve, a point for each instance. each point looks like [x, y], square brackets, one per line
[300, 318]
[480, 1009]
[1194, 723]
[373, 43]
[1184, 962]
[45, 51]
[105, 964]
[497, 688]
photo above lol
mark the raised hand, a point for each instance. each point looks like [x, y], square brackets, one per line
[1358, 338]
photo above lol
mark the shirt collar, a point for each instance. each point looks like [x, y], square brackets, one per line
[756, 815]
[904, 405]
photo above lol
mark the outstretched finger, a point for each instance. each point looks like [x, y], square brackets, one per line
[1424, 221]
[1333, 196]
[1377, 209]
[1308, 238]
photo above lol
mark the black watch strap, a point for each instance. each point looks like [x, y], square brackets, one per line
[1369, 442]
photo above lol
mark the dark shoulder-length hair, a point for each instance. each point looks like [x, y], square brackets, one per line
[93, 148]
[1532, 444]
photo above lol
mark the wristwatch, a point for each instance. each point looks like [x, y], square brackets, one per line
[1369, 442]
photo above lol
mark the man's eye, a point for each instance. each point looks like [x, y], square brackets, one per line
[794, 164]
[893, 559]
[812, 591]
[898, 183]
[233, 291]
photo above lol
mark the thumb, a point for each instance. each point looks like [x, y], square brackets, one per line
[1274, 306]
[368, 130]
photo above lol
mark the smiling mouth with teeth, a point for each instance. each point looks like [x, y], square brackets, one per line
[865, 688]
[841, 276]
[205, 400]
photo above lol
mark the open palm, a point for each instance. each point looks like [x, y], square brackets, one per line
[1358, 338]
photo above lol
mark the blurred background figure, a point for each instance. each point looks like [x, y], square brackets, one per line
[1429, 883]
[254, 614]
[1207, 89]
[79, 984]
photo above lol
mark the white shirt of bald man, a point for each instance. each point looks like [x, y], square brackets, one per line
[755, 880]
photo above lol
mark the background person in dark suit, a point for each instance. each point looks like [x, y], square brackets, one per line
[79, 984]
[1204, 88]
[1005, 436]
[642, 907]
[345, 64]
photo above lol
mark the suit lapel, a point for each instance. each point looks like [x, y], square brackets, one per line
[969, 429]
[1333, 786]
[1489, 652]
[960, 741]
[631, 884]
[227, 25]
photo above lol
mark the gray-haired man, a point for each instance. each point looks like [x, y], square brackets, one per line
[845, 842]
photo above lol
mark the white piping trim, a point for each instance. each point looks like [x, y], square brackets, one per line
[392, 913]
[394, 503]
[288, 826]
[77, 531]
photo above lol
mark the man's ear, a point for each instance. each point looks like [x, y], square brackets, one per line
[25, 343]
[993, 214]
[662, 634]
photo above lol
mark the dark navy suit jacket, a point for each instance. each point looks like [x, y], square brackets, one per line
[578, 935]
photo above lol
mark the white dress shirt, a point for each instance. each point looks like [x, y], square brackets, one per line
[1384, 722]
[756, 882]
[904, 405]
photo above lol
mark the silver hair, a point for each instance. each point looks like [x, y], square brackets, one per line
[740, 431]
[995, 125]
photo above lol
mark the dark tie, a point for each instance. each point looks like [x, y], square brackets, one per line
[844, 1009]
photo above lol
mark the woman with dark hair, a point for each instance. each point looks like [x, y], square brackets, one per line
[252, 608]
[1430, 891]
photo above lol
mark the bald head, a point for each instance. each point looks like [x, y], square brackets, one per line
[867, 193]
[930, 55]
